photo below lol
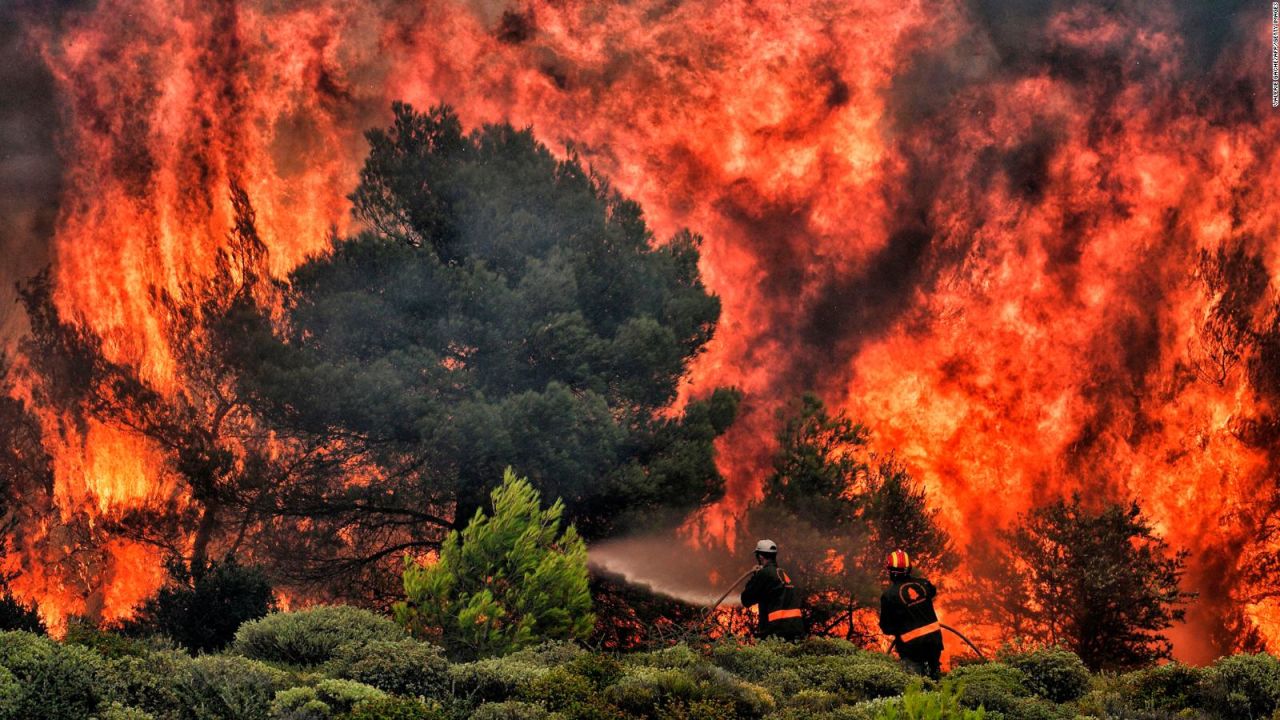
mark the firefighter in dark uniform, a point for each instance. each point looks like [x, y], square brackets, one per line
[906, 612]
[770, 587]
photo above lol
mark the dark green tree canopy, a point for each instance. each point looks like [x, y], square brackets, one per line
[1097, 580]
[504, 308]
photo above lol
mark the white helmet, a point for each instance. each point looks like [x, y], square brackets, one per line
[767, 546]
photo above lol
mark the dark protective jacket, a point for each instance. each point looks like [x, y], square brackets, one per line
[770, 588]
[906, 612]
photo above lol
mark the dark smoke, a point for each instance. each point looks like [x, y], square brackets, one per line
[30, 171]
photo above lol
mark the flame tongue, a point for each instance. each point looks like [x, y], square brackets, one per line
[978, 235]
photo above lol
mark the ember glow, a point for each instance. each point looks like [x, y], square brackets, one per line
[978, 230]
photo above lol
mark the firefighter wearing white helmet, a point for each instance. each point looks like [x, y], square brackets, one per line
[770, 587]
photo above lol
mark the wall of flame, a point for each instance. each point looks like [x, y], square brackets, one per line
[974, 227]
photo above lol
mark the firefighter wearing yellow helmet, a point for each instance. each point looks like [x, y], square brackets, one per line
[906, 613]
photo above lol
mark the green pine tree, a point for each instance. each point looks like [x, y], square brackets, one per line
[505, 582]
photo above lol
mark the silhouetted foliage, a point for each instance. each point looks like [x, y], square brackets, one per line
[837, 510]
[17, 615]
[1097, 581]
[202, 607]
[205, 434]
[1239, 343]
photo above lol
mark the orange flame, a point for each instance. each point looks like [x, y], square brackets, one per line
[985, 255]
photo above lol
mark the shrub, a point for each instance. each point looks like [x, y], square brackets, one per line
[557, 689]
[510, 710]
[600, 669]
[819, 646]
[343, 695]
[389, 708]
[116, 711]
[228, 687]
[540, 590]
[201, 607]
[10, 695]
[298, 703]
[1171, 687]
[916, 704]
[752, 662]
[400, 667]
[652, 692]
[57, 681]
[993, 686]
[814, 701]
[313, 636]
[676, 656]
[1242, 686]
[494, 679]
[1053, 673]
[855, 677]
[107, 644]
[153, 682]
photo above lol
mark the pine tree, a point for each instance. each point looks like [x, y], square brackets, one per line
[505, 582]
[1098, 581]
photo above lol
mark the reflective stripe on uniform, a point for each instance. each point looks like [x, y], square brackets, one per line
[920, 632]
[783, 615]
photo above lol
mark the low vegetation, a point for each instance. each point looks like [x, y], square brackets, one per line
[341, 663]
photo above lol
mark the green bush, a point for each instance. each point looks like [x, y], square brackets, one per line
[300, 703]
[993, 686]
[916, 704]
[494, 679]
[674, 657]
[1243, 687]
[116, 711]
[1170, 687]
[600, 669]
[10, 695]
[313, 636]
[399, 667]
[152, 681]
[510, 710]
[819, 646]
[654, 692]
[864, 676]
[557, 689]
[57, 681]
[229, 687]
[343, 695]
[393, 708]
[751, 662]
[108, 644]
[1052, 673]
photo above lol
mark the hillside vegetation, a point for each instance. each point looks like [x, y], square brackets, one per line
[344, 663]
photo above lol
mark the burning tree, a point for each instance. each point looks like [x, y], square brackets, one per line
[1099, 582]
[839, 510]
[504, 308]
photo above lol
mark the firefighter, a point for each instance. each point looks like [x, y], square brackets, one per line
[906, 612]
[770, 587]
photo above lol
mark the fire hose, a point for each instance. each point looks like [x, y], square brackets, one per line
[712, 610]
[749, 573]
[966, 640]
